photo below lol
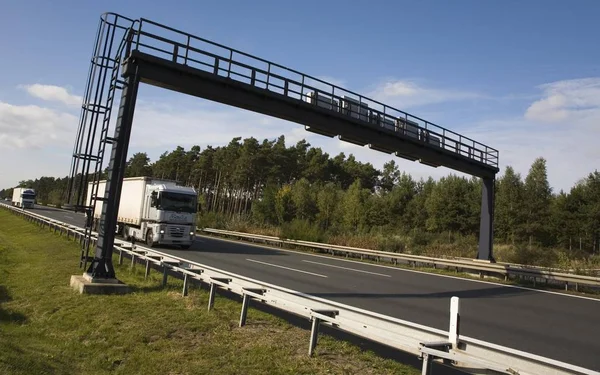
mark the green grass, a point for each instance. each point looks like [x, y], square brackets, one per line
[48, 328]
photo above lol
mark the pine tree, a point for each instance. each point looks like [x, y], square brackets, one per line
[509, 208]
[538, 198]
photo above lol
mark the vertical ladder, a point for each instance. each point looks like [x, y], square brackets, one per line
[106, 109]
[103, 110]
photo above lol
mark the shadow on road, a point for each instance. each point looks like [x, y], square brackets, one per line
[492, 292]
[46, 208]
[211, 245]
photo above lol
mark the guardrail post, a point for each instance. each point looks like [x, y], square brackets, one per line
[454, 332]
[246, 302]
[244, 314]
[427, 361]
[165, 275]
[166, 265]
[147, 272]
[211, 297]
[184, 292]
[314, 334]
[121, 257]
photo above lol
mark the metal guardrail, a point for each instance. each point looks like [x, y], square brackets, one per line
[505, 270]
[430, 344]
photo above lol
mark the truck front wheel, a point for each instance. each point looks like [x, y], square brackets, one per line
[149, 241]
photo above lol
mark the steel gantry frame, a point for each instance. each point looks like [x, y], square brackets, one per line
[155, 54]
[102, 85]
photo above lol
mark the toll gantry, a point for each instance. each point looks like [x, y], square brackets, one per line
[129, 52]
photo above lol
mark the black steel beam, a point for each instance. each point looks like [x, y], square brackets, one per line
[101, 266]
[486, 227]
[177, 77]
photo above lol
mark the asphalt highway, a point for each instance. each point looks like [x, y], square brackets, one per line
[558, 326]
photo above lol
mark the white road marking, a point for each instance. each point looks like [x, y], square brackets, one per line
[346, 268]
[287, 268]
[69, 217]
[402, 269]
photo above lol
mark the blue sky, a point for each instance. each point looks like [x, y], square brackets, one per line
[523, 77]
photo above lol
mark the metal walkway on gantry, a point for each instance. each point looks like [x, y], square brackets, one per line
[182, 62]
[129, 52]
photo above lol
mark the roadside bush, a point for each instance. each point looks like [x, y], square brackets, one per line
[394, 244]
[299, 229]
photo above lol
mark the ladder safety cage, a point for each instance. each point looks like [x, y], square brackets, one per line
[92, 134]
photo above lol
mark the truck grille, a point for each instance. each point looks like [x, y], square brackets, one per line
[176, 232]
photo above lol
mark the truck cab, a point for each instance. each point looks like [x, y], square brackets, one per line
[170, 215]
[151, 210]
[23, 197]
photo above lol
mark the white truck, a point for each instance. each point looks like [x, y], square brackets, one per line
[155, 211]
[23, 197]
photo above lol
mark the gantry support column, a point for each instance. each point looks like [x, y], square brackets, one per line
[486, 224]
[101, 266]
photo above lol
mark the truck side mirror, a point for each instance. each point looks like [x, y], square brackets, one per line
[153, 199]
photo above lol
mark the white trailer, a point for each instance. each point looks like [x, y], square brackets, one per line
[23, 197]
[155, 211]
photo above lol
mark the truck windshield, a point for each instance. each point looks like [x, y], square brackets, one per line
[28, 196]
[177, 202]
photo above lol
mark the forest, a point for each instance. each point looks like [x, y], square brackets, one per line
[303, 192]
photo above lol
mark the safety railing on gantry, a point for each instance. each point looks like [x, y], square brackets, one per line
[196, 52]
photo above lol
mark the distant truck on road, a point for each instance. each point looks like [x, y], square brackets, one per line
[23, 197]
[155, 211]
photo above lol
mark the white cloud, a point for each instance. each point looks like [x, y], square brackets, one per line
[32, 126]
[562, 126]
[34, 141]
[53, 93]
[570, 101]
[569, 156]
[405, 94]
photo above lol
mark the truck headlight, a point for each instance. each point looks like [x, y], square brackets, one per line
[162, 231]
[191, 233]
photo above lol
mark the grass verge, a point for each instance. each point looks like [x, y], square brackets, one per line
[47, 328]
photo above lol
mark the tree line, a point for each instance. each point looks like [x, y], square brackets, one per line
[266, 184]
